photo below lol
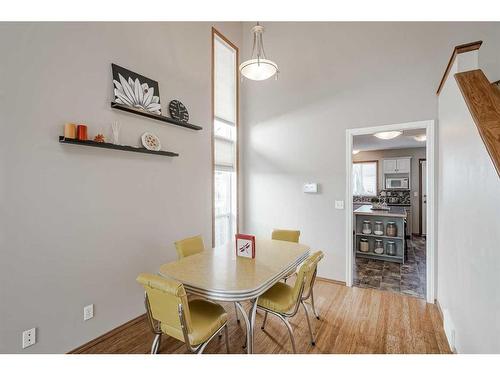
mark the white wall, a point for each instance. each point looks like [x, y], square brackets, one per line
[335, 76]
[415, 153]
[468, 224]
[78, 224]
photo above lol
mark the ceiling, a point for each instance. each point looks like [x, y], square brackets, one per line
[369, 142]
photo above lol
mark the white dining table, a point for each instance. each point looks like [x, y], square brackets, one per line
[218, 274]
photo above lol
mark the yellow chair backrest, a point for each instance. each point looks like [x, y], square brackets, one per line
[286, 235]
[189, 246]
[314, 260]
[165, 296]
[305, 274]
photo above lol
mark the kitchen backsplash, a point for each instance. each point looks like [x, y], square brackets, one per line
[387, 196]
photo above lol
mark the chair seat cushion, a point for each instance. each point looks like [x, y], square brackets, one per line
[206, 318]
[278, 298]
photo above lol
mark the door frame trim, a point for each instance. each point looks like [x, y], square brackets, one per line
[420, 160]
[430, 127]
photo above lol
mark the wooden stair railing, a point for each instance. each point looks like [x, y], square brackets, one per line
[483, 100]
[462, 48]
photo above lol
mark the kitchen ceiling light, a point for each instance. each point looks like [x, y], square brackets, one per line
[420, 138]
[388, 135]
[258, 67]
[355, 152]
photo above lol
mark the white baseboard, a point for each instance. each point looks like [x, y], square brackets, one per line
[450, 330]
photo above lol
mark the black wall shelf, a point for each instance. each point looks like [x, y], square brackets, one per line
[115, 147]
[170, 120]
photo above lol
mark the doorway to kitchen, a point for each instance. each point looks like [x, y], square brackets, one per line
[385, 191]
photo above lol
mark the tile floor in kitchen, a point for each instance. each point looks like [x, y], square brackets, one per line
[408, 278]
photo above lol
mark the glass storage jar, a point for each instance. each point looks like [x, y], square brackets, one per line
[379, 247]
[367, 227]
[390, 248]
[378, 229]
[364, 246]
[391, 229]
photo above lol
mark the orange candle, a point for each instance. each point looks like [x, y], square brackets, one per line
[69, 130]
[82, 133]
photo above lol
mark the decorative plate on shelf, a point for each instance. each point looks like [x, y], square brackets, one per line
[178, 111]
[151, 142]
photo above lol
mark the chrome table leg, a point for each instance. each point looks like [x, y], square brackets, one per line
[249, 323]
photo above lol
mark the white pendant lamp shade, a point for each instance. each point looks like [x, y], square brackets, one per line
[258, 68]
[420, 138]
[388, 135]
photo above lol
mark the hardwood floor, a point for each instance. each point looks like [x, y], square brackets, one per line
[353, 320]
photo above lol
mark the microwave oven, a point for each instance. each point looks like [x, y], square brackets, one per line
[397, 183]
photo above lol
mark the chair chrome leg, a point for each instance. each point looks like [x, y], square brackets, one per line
[264, 322]
[290, 331]
[202, 347]
[236, 311]
[313, 342]
[226, 334]
[312, 304]
[156, 344]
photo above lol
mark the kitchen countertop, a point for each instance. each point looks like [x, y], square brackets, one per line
[395, 211]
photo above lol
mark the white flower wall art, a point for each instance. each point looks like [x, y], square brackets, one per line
[135, 90]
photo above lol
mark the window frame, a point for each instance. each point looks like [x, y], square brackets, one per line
[216, 33]
[376, 176]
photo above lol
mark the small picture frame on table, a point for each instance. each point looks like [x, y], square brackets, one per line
[245, 245]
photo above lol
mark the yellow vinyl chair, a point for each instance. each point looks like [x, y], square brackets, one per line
[286, 235]
[283, 300]
[194, 245]
[189, 246]
[169, 312]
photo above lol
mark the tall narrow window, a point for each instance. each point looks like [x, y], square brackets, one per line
[225, 132]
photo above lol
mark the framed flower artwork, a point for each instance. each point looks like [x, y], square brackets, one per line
[245, 245]
[135, 90]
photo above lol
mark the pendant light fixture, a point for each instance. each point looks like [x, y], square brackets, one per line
[258, 68]
[388, 135]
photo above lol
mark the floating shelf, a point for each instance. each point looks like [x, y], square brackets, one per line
[126, 108]
[392, 258]
[115, 147]
[377, 236]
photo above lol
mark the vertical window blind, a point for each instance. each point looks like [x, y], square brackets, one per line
[225, 118]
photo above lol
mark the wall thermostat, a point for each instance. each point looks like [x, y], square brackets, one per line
[311, 187]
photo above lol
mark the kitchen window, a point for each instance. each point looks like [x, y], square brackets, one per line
[364, 178]
[225, 132]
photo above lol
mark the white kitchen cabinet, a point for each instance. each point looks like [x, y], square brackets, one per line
[403, 165]
[390, 166]
[399, 165]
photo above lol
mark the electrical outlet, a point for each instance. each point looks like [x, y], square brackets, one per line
[88, 312]
[29, 337]
[339, 205]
